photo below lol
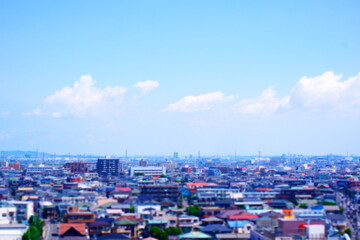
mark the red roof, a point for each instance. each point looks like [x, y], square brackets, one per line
[124, 189]
[242, 217]
[79, 227]
[263, 189]
[200, 184]
[132, 218]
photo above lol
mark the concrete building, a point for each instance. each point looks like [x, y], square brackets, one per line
[24, 209]
[108, 167]
[161, 192]
[76, 167]
[42, 169]
[7, 213]
[143, 163]
[15, 165]
[12, 231]
[217, 193]
[169, 165]
[147, 171]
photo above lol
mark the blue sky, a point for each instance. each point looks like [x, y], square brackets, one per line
[155, 77]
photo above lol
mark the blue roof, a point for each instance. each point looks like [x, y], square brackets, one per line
[238, 223]
[319, 207]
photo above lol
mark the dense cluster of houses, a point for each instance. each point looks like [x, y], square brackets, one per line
[259, 200]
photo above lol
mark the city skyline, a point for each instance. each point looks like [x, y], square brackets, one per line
[159, 77]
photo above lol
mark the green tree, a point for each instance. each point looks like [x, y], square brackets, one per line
[303, 205]
[35, 229]
[171, 231]
[132, 209]
[32, 233]
[156, 232]
[193, 210]
[348, 231]
[327, 203]
[341, 209]
[35, 221]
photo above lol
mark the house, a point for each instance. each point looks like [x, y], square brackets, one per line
[72, 230]
[226, 214]
[212, 220]
[213, 229]
[266, 222]
[294, 226]
[241, 226]
[127, 227]
[232, 236]
[76, 217]
[100, 227]
[186, 221]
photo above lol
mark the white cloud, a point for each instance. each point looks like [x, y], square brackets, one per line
[326, 92]
[83, 99]
[146, 86]
[265, 103]
[199, 103]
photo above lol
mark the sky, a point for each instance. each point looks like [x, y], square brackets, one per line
[155, 77]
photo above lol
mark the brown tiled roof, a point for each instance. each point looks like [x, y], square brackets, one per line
[79, 227]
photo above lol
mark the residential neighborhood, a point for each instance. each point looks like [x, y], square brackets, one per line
[173, 198]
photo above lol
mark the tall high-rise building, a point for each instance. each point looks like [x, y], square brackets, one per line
[107, 167]
[176, 155]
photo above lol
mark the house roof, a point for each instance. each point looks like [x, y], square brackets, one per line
[157, 221]
[150, 238]
[234, 236]
[336, 217]
[74, 238]
[229, 213]
[216, 228]
[100, 223]
[238, 224]
[198, 184]
[126, 221]
[242, 217]
[212, 219]
[194, 235]
[271, 214]
[79, 227]
[113, 236]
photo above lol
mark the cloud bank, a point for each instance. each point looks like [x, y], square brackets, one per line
[199, 103]
[324, 93]
[84, 99]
